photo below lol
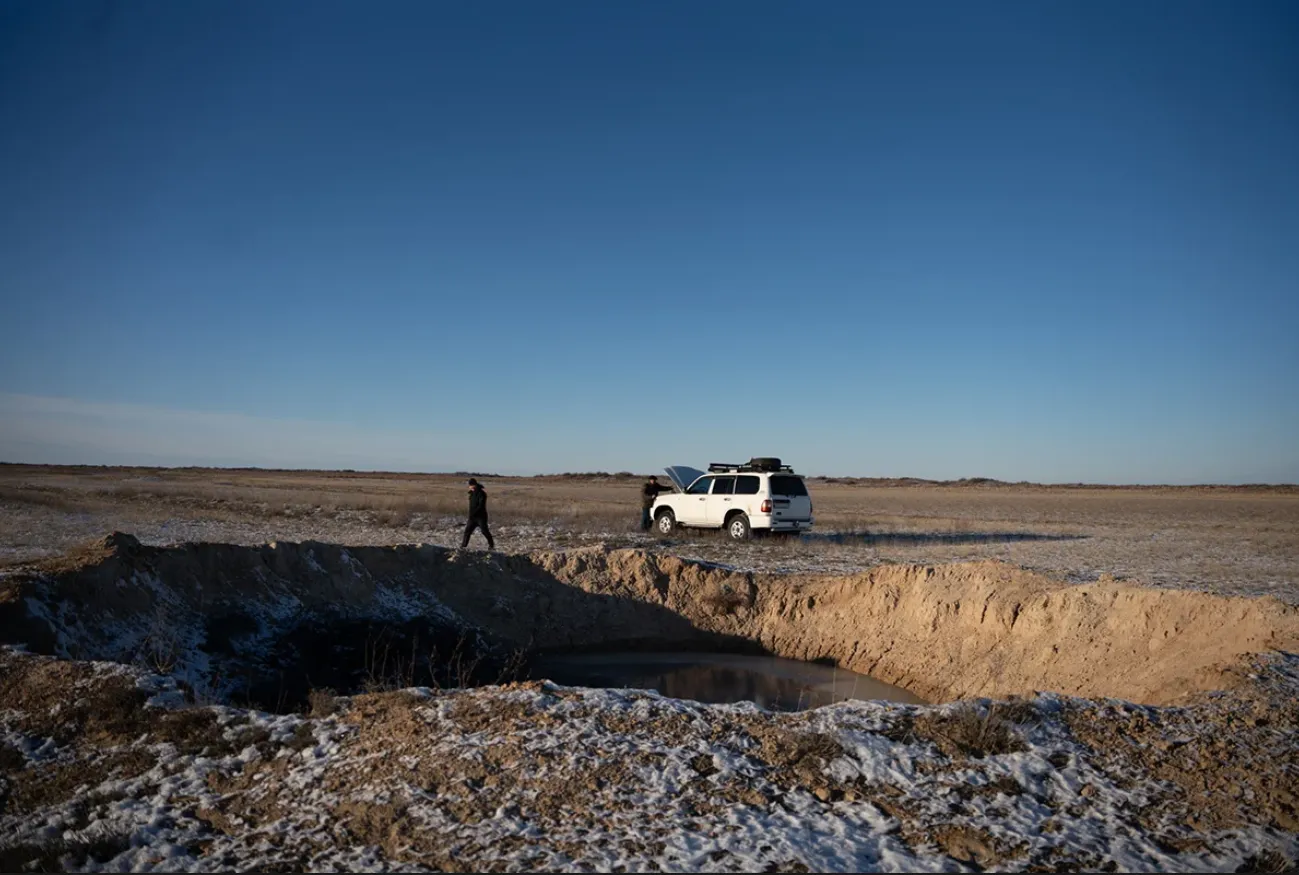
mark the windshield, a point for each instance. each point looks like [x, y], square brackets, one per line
[787, 484]
[700, 486]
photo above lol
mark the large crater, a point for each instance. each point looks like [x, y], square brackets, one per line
[266, 624]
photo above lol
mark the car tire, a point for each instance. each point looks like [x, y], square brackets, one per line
[666, 522]
[737, 527]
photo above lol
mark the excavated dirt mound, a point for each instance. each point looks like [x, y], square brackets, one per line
[105, 762]
[100, 770]
[260, 620]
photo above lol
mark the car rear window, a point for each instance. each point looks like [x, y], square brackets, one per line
[747, 484]
[723, 486]
[787, 484]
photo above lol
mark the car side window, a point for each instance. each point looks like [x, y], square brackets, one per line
[747, 484]
[700, 486]
[724, 486]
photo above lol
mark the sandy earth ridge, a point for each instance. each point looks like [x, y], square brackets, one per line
[943, 631]
[104, 768]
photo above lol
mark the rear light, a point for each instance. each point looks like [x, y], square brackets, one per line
[766, 506]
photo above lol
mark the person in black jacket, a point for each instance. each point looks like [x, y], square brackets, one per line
[477, 515]
[648, 493]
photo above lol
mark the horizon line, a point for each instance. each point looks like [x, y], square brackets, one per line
[901, 480]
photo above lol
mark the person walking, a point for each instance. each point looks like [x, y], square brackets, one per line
[648, 493]
[477, 515]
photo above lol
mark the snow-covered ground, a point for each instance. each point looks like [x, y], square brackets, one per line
[540, 777]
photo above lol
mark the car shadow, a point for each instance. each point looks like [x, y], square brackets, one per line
[900, 539]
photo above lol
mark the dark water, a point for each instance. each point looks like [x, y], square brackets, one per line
[773, 683]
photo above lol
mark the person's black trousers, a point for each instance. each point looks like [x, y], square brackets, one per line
[478, 522]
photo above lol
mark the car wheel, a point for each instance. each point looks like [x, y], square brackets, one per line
[738, 527]
[666, 522]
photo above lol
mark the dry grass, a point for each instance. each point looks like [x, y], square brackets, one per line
[108, 712]
[1268, 861]
[322, 702]
[1233, 540]
[394, 499]
[842, 505]
[971, 730]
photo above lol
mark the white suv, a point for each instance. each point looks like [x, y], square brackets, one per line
[762, 495]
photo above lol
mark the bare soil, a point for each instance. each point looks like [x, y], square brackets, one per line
[210, 611]
[475, 781]
[98, 767]
[1223, 540]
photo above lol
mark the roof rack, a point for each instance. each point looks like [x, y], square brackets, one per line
[735, 467]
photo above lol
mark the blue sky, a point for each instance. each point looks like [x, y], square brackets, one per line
[1048, 241]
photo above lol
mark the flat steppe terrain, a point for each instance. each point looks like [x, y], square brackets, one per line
[150, 721]
[1227, 540]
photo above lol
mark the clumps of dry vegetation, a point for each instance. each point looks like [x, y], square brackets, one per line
[971, 729]
[966, 844]
[57, 500]
[161, 648]
[322, 702]
[1269, 861]
[392, 661]
[1220, 758]
[105, 735]
[106, 709]
[412, 773]
[726, 601]
[794, 757]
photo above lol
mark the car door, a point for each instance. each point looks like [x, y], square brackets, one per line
[721, 500]
[747, 487]
[694, 507]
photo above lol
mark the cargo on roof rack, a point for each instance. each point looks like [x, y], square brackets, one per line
[759, 463]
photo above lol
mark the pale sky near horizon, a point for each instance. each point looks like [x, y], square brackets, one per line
[1031, 241]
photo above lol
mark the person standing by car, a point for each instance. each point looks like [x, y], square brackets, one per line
[477, 515]
[648, 493]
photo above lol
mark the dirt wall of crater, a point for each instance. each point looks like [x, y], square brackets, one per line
[944, 632]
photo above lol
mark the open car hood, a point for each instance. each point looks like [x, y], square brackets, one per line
[683, 475]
